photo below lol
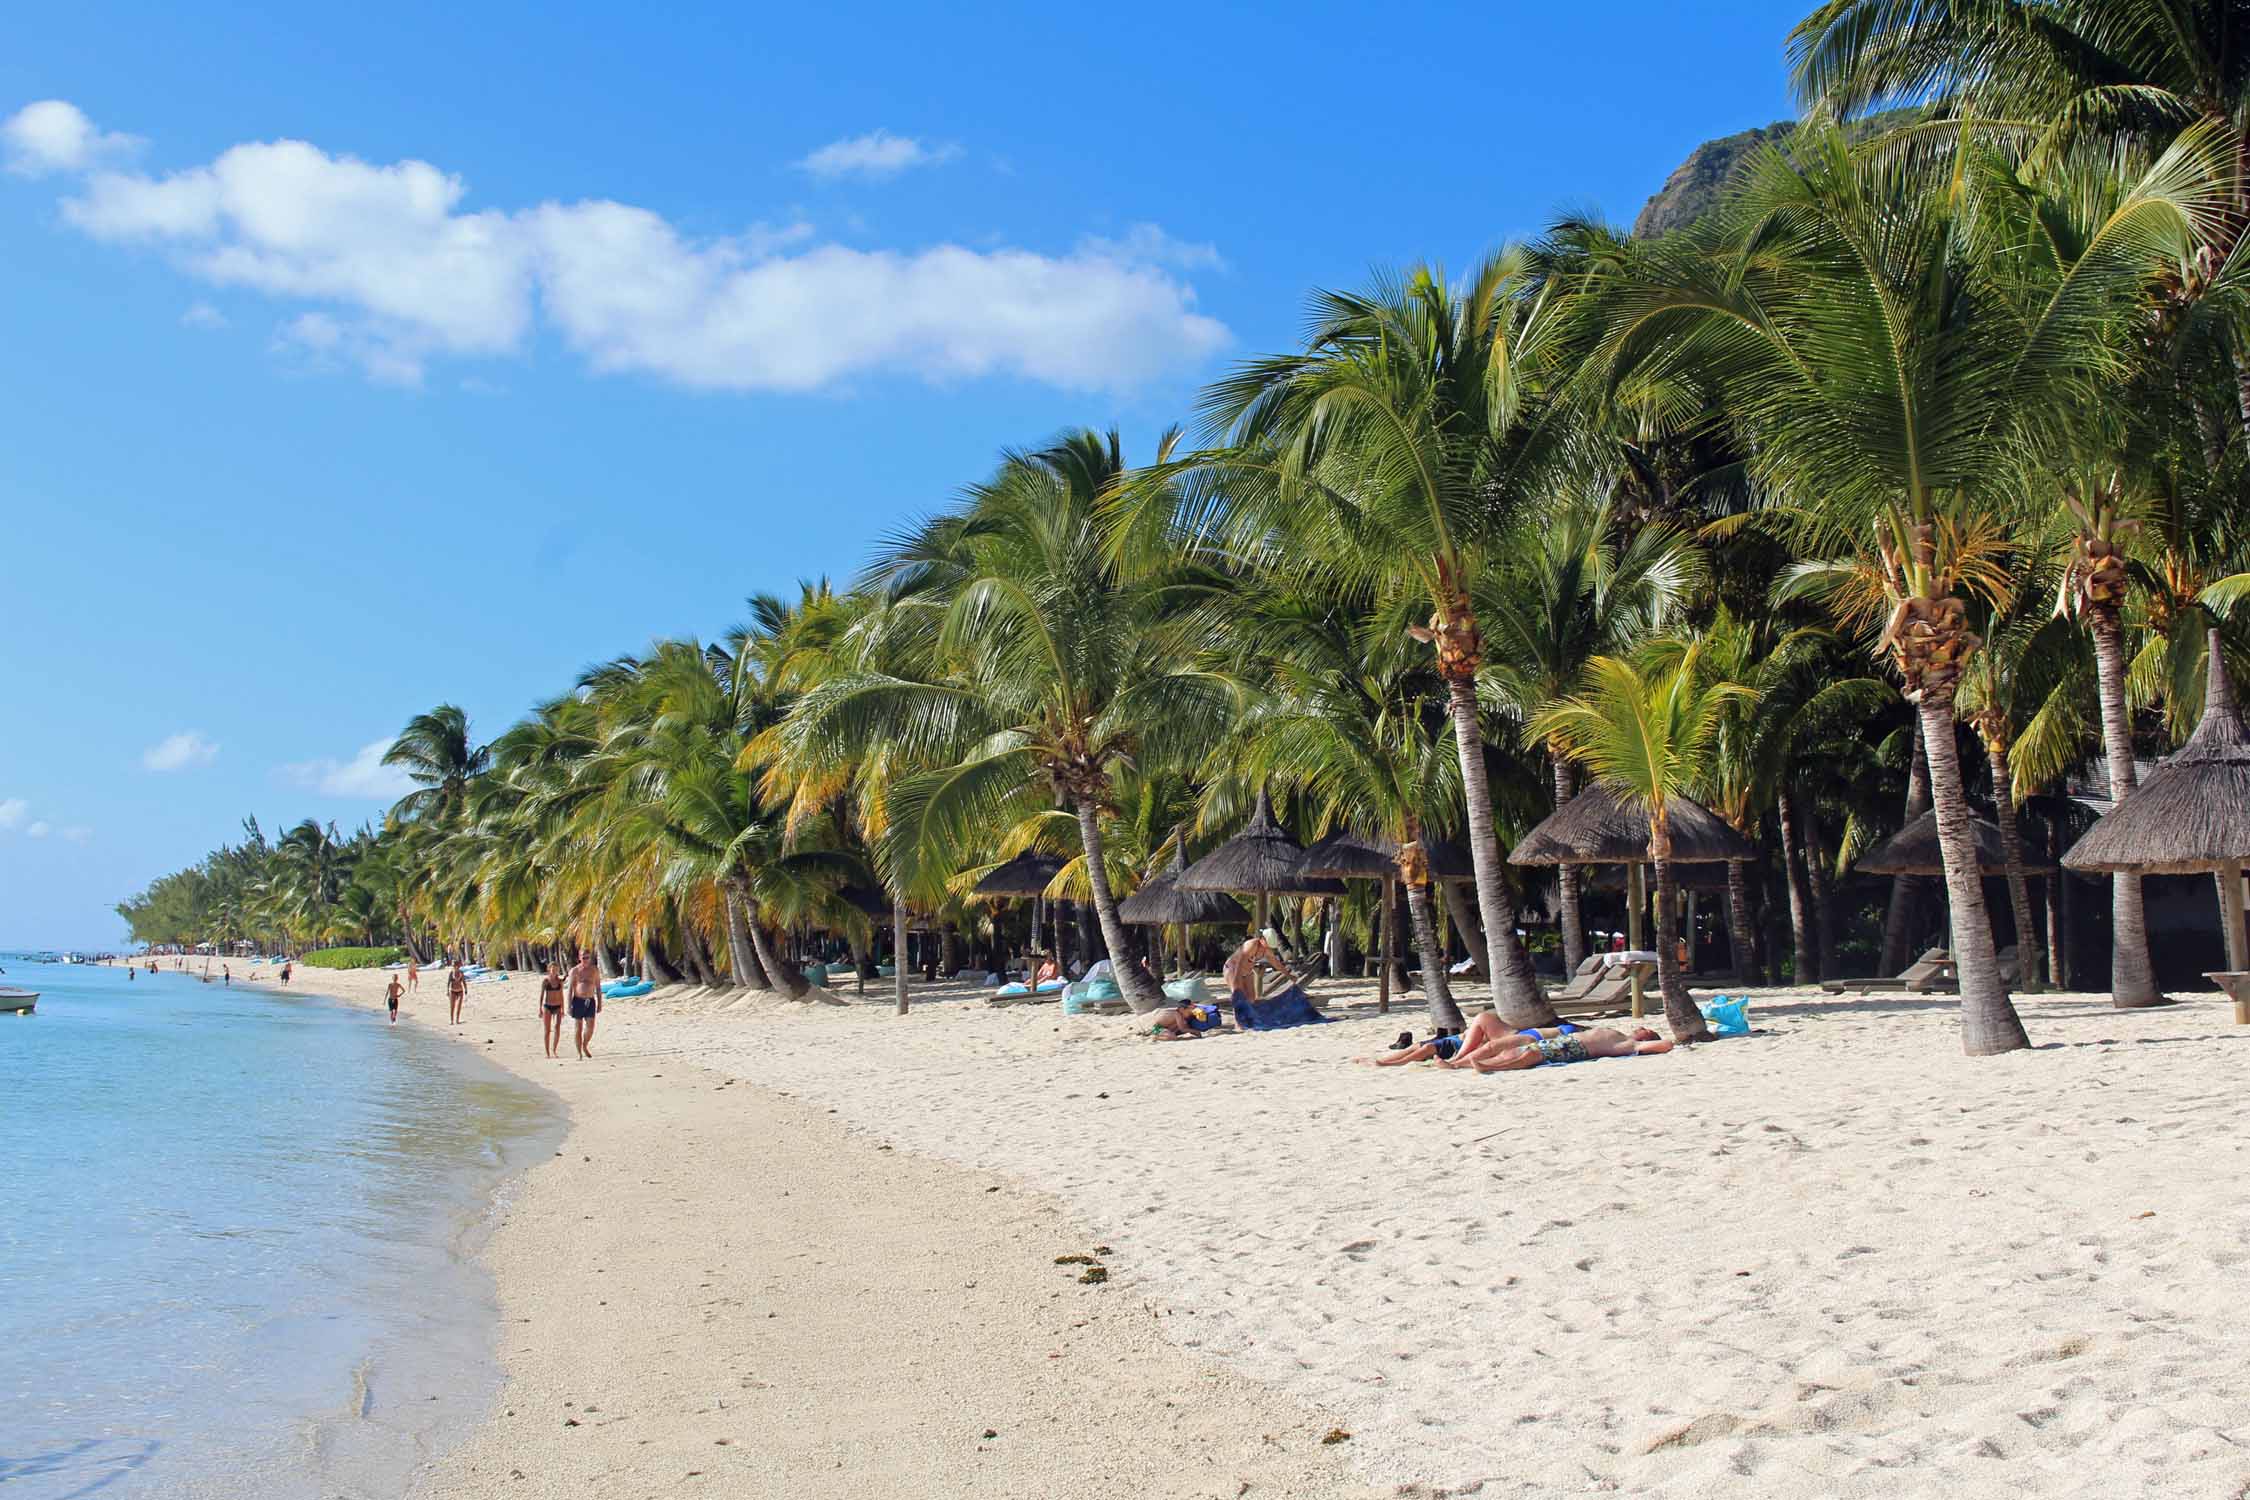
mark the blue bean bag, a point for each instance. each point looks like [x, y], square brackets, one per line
[625, 989]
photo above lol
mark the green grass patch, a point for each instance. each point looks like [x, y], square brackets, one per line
[352, 958]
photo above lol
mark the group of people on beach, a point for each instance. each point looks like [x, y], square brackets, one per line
[1487, 1044]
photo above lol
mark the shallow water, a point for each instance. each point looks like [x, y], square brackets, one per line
[235, 1229]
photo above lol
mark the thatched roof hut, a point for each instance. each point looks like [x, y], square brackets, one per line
[870, 899]
[1344, 855]
[1261, 858]
[1598, 827]
[1913, 850]
[1028, 874]
[1161, 903]
[2193, 813]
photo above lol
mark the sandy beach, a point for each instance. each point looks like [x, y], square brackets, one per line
[815, 1245]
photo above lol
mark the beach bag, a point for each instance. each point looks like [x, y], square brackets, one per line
[1729, 1015]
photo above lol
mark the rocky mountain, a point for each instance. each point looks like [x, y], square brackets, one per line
[1691, 190]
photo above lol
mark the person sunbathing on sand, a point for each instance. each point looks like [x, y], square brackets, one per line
[1487, 1035]
[1558, 1046]
[1443, 1048]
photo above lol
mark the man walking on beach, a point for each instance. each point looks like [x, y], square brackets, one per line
[585, 1001]
[456, 990]
[391, 995]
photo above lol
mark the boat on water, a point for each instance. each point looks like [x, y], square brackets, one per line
[22, 1002]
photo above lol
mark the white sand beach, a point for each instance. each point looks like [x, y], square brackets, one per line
[1832, 1258]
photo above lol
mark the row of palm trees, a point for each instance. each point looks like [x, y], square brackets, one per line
[1908, 478]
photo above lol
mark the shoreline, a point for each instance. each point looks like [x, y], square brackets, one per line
[818, 1311]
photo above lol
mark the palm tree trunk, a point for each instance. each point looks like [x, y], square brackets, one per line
[1566, 883]
[1435, 986]
[1680, 1015]
[1906, 890]
[949, 950]
[652, 959]
[2031, 966]
[1800, 893]
[1139, 990]
[2132, 976]
[1472, 931]
[1989, 1023]
[785, 975]
[697, 960]
[748, 972]
[1739, 930]
[898, 951]
[1516, 993]
[1823, 877]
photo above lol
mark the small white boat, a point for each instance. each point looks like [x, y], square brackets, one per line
[20, 1001]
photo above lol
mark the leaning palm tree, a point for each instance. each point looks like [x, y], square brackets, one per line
[1875, 346]
[1403, 445]
[1650, 732]
[1048, 668]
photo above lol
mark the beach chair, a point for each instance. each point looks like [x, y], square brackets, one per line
[1927, 974]
[1590, 973]
[1611, 992]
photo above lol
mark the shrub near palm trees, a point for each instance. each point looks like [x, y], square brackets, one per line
[1403, 446]
[1650, 732]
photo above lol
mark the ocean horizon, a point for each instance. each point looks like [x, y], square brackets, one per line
[237, 1238]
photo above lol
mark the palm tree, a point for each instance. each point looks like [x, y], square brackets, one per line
[1650, 732]
[1048, 671]
[437, 752]
[1575, 590]
[1873, 346]
[1402, 446]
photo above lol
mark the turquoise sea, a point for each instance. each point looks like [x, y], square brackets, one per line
[237, 1230]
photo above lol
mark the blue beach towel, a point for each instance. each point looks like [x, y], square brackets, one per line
[1278, 1012]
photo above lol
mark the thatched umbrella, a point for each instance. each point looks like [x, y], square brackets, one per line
[1028, 874]
[1161, 903]
[1599, 827]
[1913, 850]
[1344, 855]
[1261, 858]
[2191, 815]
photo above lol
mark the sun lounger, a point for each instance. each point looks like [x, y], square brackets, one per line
[1611, 991]
[1932, 970]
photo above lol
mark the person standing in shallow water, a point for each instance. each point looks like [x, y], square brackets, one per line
[551, 1009]
[585, 1002]
[456, 990]
[392, 995]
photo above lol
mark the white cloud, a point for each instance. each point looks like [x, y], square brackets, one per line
[54, 136]
[876, 154]
[388, 271]
[364, 775]
[40, 829]
[1148, 244]
[202, 315]
[176, 752]
[12, 810]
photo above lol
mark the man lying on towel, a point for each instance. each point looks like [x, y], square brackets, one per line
[1490, 1046]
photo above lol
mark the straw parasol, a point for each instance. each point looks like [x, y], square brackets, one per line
[1161, 903]
[1028, 874]
[1599, 827]
[1261, 858]
[1913, 850]
[2191, 815]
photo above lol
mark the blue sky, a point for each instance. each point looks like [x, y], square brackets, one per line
[355, 362]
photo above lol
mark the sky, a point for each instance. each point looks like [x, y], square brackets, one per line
[356, 360]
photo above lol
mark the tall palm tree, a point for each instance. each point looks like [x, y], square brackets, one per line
[1871, 343]
[1650, 732]
[1049, 671]
[437, 751]
[1404, 444]
[1576, 589]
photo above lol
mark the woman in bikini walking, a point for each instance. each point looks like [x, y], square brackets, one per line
[551, 1010]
